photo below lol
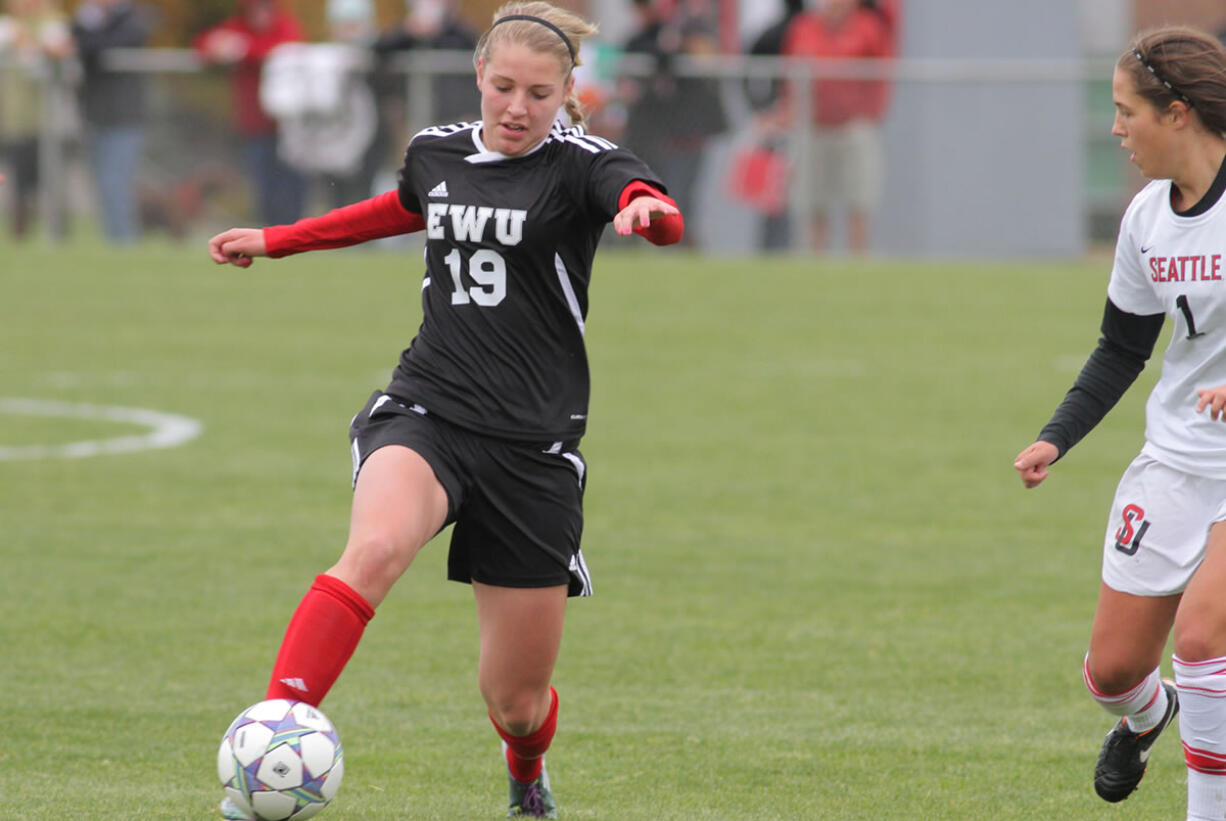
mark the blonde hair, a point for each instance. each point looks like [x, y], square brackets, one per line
[541, 38]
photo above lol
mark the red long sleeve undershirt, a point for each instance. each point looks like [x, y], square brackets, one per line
[385, 216]
[375, 218]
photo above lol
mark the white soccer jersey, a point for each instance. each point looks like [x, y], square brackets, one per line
[1172, 264]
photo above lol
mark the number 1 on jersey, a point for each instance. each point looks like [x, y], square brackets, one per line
[1181, 302]
[487, 268]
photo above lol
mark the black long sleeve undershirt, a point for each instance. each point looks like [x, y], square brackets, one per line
[1125, 345]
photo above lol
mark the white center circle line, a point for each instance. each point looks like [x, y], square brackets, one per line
[166, 430]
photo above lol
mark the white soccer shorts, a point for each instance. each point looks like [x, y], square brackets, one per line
[1158, 528]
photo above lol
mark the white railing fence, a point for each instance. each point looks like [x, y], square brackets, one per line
[955, 128]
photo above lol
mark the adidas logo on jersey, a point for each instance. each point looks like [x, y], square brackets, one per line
[439, 190]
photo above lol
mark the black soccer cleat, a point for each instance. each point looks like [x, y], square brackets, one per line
[1122, 760]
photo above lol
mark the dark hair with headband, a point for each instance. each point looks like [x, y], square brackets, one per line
[1180, 64]
[544, 28]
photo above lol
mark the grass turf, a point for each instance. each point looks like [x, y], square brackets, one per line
[821, 592]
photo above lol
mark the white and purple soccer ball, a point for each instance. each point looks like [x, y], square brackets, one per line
[281, 760]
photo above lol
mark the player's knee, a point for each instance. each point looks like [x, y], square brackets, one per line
[1199, 641]
[1113, 676]
[515, 723]
[516, 712]
[375, 561]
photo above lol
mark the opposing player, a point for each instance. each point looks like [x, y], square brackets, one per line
[481, 423]
[1164, 553]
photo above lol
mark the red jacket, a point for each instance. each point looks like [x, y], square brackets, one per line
[862, 34]
[284, 28]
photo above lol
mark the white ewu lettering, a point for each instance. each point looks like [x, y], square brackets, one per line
[509, 225]
[435, 211]
[468, 222]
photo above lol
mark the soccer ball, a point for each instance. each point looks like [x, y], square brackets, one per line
[280, 760]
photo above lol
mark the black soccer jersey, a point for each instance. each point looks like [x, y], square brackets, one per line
[509, 248]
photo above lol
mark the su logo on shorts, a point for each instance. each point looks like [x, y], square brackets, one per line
[1128, 537]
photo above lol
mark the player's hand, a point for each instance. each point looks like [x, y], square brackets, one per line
[1031, 464]
[238, 246]
[1214, 400]
[639, 214]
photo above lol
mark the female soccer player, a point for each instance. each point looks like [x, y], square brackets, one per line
[481, 422]
[1164, 555]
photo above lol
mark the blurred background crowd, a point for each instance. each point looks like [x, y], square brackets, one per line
[810, 126]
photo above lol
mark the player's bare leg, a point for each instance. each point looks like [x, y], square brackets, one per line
[1128, 637]
[398, 506]
[1121, 671]
[521, 634]
[1200, 673]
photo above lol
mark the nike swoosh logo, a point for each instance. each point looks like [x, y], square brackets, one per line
[1145, 250]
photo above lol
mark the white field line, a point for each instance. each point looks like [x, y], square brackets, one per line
[167, 430]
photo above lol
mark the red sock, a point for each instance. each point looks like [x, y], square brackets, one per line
[321, 637]
[526, 753]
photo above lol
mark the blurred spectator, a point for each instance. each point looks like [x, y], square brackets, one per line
[242, 43]
[427, 24]
[113, 106]
[352, 22]
[320, 94]
[649, 28]
[845, 154]
[763, 95]
[643, 106]
[32, 32]
[670, 118]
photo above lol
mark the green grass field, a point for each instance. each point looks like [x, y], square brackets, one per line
[821, 592]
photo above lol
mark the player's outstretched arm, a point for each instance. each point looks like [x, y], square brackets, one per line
[375, 218]
[1032, 463]
[238, 246]
[1213, 400]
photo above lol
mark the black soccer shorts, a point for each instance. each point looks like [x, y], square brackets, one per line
[517, 507]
